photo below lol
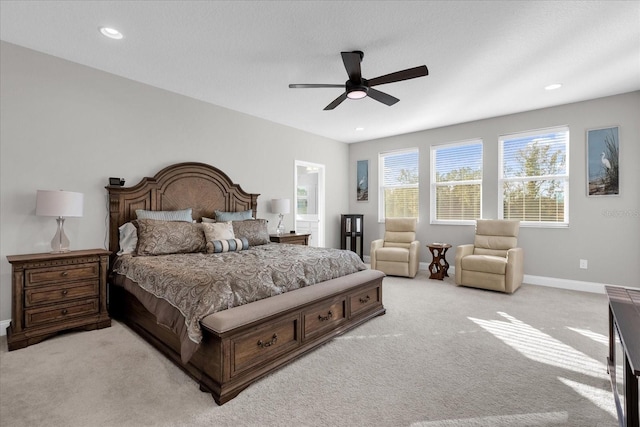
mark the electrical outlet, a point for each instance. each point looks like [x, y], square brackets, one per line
[584, 264]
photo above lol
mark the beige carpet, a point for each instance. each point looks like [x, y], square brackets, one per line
[441, 356]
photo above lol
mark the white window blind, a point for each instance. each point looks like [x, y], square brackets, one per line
[398, 184]
[456, 182]
[534, 177]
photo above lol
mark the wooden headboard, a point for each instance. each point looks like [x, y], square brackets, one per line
[198, 186]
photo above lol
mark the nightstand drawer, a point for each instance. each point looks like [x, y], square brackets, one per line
[45, 276]
[60, 312]
[61, 293]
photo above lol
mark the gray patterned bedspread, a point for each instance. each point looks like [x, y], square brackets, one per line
[200, 284]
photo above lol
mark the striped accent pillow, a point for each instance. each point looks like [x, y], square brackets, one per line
[229, 245]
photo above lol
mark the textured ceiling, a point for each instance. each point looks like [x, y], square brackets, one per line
[485, 58]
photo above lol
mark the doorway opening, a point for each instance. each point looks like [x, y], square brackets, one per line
[309, 201]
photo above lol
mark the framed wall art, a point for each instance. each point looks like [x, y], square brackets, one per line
[603, 159]
[362, 180]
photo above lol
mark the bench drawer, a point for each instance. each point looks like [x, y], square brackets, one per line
[263, 344]
[366, 300]
[324, 317]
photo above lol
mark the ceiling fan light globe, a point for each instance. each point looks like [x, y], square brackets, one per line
[357, 94]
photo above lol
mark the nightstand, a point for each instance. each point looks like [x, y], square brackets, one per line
[53, 292]
[291, 238]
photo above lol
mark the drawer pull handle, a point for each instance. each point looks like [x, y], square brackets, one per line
[365, 299]
[64, 312]
[262, 344]
[65, 292]
[64, 274]
[327, 317]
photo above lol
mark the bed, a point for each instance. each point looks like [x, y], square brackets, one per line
[238, 345]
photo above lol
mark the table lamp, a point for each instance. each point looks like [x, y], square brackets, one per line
[60, 204]
[281, 207]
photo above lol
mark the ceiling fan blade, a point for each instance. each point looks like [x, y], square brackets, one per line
[336, 102]
[398, 76]
[351, 62]
[302, 86]
[382, 97]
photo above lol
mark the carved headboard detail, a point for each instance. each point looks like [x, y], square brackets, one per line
[198, 186]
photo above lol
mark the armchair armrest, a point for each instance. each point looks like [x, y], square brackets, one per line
[375, 245]
[461, 252]
[515, 269]
[414, 257]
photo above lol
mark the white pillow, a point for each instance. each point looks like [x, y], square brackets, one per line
[218, 231]
[181, 215]
[128, 238]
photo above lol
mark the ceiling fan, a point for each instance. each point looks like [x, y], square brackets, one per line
[357, 87]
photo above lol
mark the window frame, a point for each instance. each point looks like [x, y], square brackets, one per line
[433, 184]
[565, 177]
[381, 187]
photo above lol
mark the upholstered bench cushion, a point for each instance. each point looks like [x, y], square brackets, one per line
[485, 264]
[235, 317]
[392, 254]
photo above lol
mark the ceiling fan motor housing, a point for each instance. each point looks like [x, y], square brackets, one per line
[357, 90]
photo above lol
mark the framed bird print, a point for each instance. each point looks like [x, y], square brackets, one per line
[362, 180]
[603, 160]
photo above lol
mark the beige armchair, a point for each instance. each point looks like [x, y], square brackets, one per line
[493, 261]
[397, 254]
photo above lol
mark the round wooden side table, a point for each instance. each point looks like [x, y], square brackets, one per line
[439, 265]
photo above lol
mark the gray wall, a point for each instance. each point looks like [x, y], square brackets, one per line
[604, 230]
[66, 126]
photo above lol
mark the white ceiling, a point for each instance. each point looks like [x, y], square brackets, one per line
[485, 58]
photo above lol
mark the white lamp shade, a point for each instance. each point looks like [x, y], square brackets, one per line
[280, 206]
[59, 203]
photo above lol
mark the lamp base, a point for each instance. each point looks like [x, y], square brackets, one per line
[280, 229]
[60, 242]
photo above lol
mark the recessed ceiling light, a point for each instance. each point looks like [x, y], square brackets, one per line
[112, 33]
[359, 129]
[553, 86]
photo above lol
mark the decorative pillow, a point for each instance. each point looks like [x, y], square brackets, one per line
[255, 230]
[218, 231]
[128, 238]
[168, 237]
[234, 216]
[183, 215]
[209, 220]
[230, 245]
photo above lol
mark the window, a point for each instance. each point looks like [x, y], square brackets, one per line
[534, 177]
[398, 184]
[456, 182]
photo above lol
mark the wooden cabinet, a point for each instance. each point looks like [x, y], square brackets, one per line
[291, 238]
[352, 234]
[56, 292]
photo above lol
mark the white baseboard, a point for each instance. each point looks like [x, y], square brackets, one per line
[552, 282]
[574, 285]
[4, 324]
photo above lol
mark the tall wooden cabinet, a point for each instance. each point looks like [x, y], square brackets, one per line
[352, 233]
